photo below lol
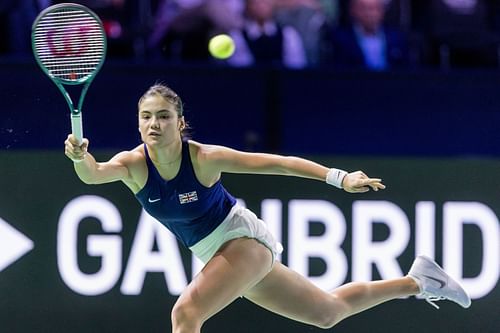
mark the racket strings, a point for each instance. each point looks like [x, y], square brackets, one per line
[70, 43]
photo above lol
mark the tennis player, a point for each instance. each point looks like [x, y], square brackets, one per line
[177, 181]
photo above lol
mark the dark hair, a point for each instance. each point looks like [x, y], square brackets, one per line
[167, 93]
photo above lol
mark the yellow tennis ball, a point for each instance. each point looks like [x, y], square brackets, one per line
[221, 46]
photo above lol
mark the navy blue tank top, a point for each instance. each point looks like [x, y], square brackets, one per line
[187, 208]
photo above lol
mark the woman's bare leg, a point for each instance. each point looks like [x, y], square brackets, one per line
[286, 292]
[237, 267]
[360, 296]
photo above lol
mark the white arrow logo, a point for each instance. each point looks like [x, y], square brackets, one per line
[13, 244]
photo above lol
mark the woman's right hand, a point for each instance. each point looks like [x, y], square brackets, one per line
[73, 150]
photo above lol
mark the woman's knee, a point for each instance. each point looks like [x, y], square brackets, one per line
[326, 320]
[328, 316]
[185, 317]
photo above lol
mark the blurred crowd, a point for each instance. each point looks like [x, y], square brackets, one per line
[374, 35]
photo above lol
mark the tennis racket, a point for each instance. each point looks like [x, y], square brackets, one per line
[69, 44]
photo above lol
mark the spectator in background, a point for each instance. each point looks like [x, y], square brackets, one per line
[16, 18]
[164, 14]
[262, 41]
[460, 32]
[366, 42]
[311, 18]
[186, 37]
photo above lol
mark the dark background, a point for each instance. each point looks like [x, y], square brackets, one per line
[422, 113]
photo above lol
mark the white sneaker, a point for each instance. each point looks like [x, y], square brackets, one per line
[435, 284]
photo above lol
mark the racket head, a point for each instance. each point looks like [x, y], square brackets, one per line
[69, 43]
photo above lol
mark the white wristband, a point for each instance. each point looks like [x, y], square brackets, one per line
[335, 177]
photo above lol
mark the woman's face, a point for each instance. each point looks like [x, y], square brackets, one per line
[159, 123]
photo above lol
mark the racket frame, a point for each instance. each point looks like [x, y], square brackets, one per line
[76, 112]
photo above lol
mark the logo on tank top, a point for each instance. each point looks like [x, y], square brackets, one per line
[188, 197]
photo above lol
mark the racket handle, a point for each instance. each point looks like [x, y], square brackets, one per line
[76, 126]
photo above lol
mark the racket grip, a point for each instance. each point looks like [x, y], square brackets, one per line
[76, 127]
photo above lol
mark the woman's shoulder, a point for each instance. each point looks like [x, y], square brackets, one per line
[205, 147]
[134, 160]
[203, 152]
[138, 152]
[203, 161]
[133, 156]
[196, 149]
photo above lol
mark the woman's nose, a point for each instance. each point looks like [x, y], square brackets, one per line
[155, 123]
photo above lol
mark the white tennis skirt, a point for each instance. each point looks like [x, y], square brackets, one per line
[239, 223]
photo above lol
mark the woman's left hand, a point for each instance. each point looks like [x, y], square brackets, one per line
[359, 182]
